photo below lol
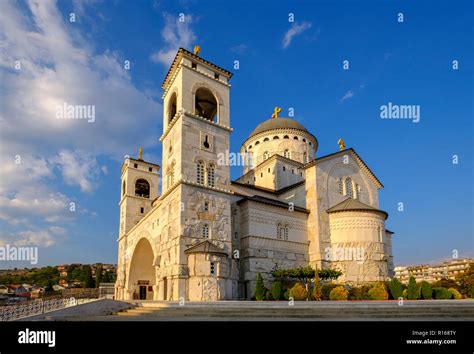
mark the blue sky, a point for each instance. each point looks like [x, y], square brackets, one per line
[290, 64]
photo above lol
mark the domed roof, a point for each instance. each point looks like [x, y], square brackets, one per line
[278, 123]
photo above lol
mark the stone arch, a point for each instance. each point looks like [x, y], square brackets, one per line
[142, 271]
[213, 91]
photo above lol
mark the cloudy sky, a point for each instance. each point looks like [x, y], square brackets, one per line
[60, 178]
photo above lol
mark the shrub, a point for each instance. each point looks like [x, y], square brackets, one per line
[260, 290]
[396, 288]
[298, 292]
[466, 281]
[413, 290]
[456, 294]
[286, 294]
[317, 295]
[359, 293]
[268, 295]
[472, 292]
[338, 293]
[442, 293]
[326, 290]
[378, 292]
[444, 283]
[405, 293]
[426, 291]
[276, 290]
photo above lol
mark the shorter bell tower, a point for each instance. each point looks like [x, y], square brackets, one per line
[139, 189]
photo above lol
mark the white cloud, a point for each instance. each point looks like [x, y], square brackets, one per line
[29, 238]
[59, 64]
[347, 95]
[175, 34]
[294, 30]
[77, 169]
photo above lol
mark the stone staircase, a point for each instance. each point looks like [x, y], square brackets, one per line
[454, 310]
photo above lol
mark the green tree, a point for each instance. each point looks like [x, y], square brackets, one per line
[260, 290]
[426, 291]
[466, 281]
[413, 290]
[87, 278]
[98, 275]
[396, 288]
[276, 290]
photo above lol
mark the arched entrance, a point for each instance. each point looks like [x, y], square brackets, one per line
[142, 271]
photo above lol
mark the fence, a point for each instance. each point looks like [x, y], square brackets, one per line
[47, 304]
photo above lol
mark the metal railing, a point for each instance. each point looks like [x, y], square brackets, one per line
[47, 303]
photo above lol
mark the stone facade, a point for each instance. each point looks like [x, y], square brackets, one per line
[205, 237]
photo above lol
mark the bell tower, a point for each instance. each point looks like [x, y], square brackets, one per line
[196, 184]
[138, 190]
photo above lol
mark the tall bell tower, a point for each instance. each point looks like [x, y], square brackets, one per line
[196, 184]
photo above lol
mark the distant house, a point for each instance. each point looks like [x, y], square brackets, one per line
[58, 287]
[19, 290]
[5, 290]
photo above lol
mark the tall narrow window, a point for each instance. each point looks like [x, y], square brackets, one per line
[205, 231]
[349, 187]
[287, 154]
[357, 191]
[285, 233]
[213, 268]
[340, 185]
[305, 157]
[265, 155]
[279, 231]
[211, 175]
[123, 188]
[200, 172]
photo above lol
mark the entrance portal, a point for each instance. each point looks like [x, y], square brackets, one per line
[142, 275]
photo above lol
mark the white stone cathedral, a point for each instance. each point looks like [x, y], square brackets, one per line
[205, 237]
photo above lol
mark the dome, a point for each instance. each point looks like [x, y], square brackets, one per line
[278, 123]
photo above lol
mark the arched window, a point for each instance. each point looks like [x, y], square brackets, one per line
[205, 104]
[287, 154]
[286, 137]
[296, 138]
[349, 191]
[265, 155]
[205, 231]
[172, 107]
[257, 142]
[200, 172]
[142, 188]
[250, 147]
[266, 139]
[279, 231]
[340, 184]
[276, 137]
[211, 175]
[123, 188]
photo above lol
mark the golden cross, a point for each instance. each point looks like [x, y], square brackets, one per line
[197, 49]
[140, 153]
[341, 144]
[276, 110]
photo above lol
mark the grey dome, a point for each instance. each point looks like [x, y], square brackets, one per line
[278, 123]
